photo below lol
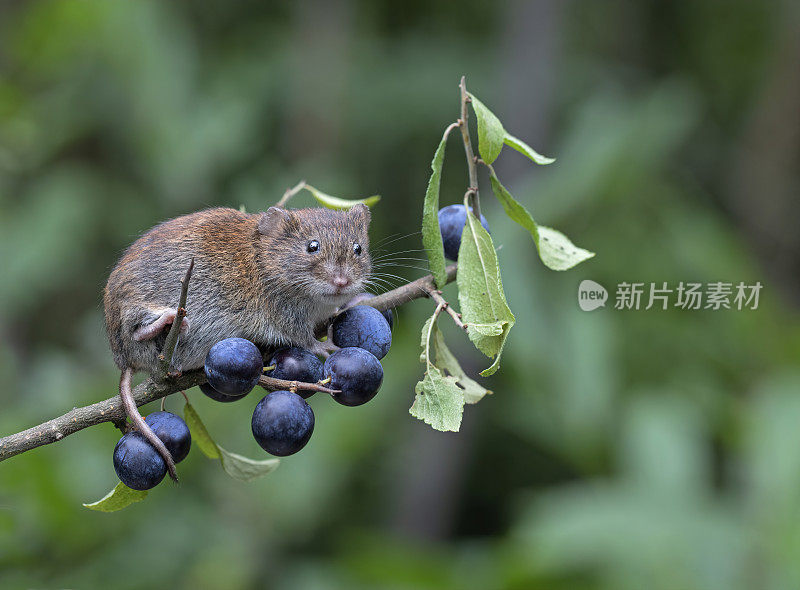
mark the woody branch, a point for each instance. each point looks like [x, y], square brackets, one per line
[155, 388]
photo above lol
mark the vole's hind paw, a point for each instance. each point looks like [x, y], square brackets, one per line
[153, 329]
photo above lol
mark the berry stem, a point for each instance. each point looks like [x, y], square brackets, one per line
[275, 384]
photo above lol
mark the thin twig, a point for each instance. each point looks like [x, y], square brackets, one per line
[165, 358]
[111, 410]
[275, 384]
[473, 170]
[290, 192]
[442, 302]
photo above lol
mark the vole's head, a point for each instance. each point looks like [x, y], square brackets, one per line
[321, 253]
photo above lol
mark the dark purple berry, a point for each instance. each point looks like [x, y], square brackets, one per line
[452, 220]
[173, 432]
[282, 423]
[356, 373]
[233, 366]
[362, 297]
[296, 364]
[217, 396]
[364, 327]
[137, 463]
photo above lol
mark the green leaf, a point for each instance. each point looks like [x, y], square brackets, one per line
[243, 468]
[200, 436]
[117, 499]
[480, 292]
[555, 249]
[490, 131]
[472, 390]
[492, 136]
[439, 401]
[431, 234]
[525, 149]
[336, 203]
[235, 465]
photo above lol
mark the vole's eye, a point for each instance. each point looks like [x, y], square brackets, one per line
[357, 248]
[312, 246]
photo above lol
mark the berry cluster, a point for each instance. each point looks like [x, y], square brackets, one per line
[136, 461]
[282, 421]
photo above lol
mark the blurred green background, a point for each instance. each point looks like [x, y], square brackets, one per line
[621, 449]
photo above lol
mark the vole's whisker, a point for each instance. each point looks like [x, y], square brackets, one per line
[394, 253]
[395, 238]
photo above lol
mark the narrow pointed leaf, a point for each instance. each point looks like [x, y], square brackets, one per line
[200, 436]
[525, 149]
[244, 468]
[480, 292]
[332, 202]
[117, 499]
[490, 131]
[431, 234]
[556, 251]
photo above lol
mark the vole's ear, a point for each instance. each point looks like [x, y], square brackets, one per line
[360, 213]
[273, 220]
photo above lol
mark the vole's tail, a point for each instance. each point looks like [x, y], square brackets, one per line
[126, 394]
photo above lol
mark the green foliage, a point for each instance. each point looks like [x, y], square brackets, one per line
[490, 131]
[117, 499]
[431, 235]
[526, 150]
[480, 289]
[331, 202]
[200, 436]
[492, 136]
[480, 293]
[439, 400]
[472, 390]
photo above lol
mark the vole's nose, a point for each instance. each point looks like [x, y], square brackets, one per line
[340, 281]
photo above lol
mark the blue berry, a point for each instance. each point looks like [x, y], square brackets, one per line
[356, 373]
[364, 327]
[296, 364]
[361, 297]
[217, 396]
[452, 220]
[282, 423]
[137, 463]
[173, 432]
[233, 366]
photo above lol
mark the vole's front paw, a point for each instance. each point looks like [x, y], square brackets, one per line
[324, 349]
[153, 329]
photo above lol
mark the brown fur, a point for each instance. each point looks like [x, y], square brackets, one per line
[253, 278]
